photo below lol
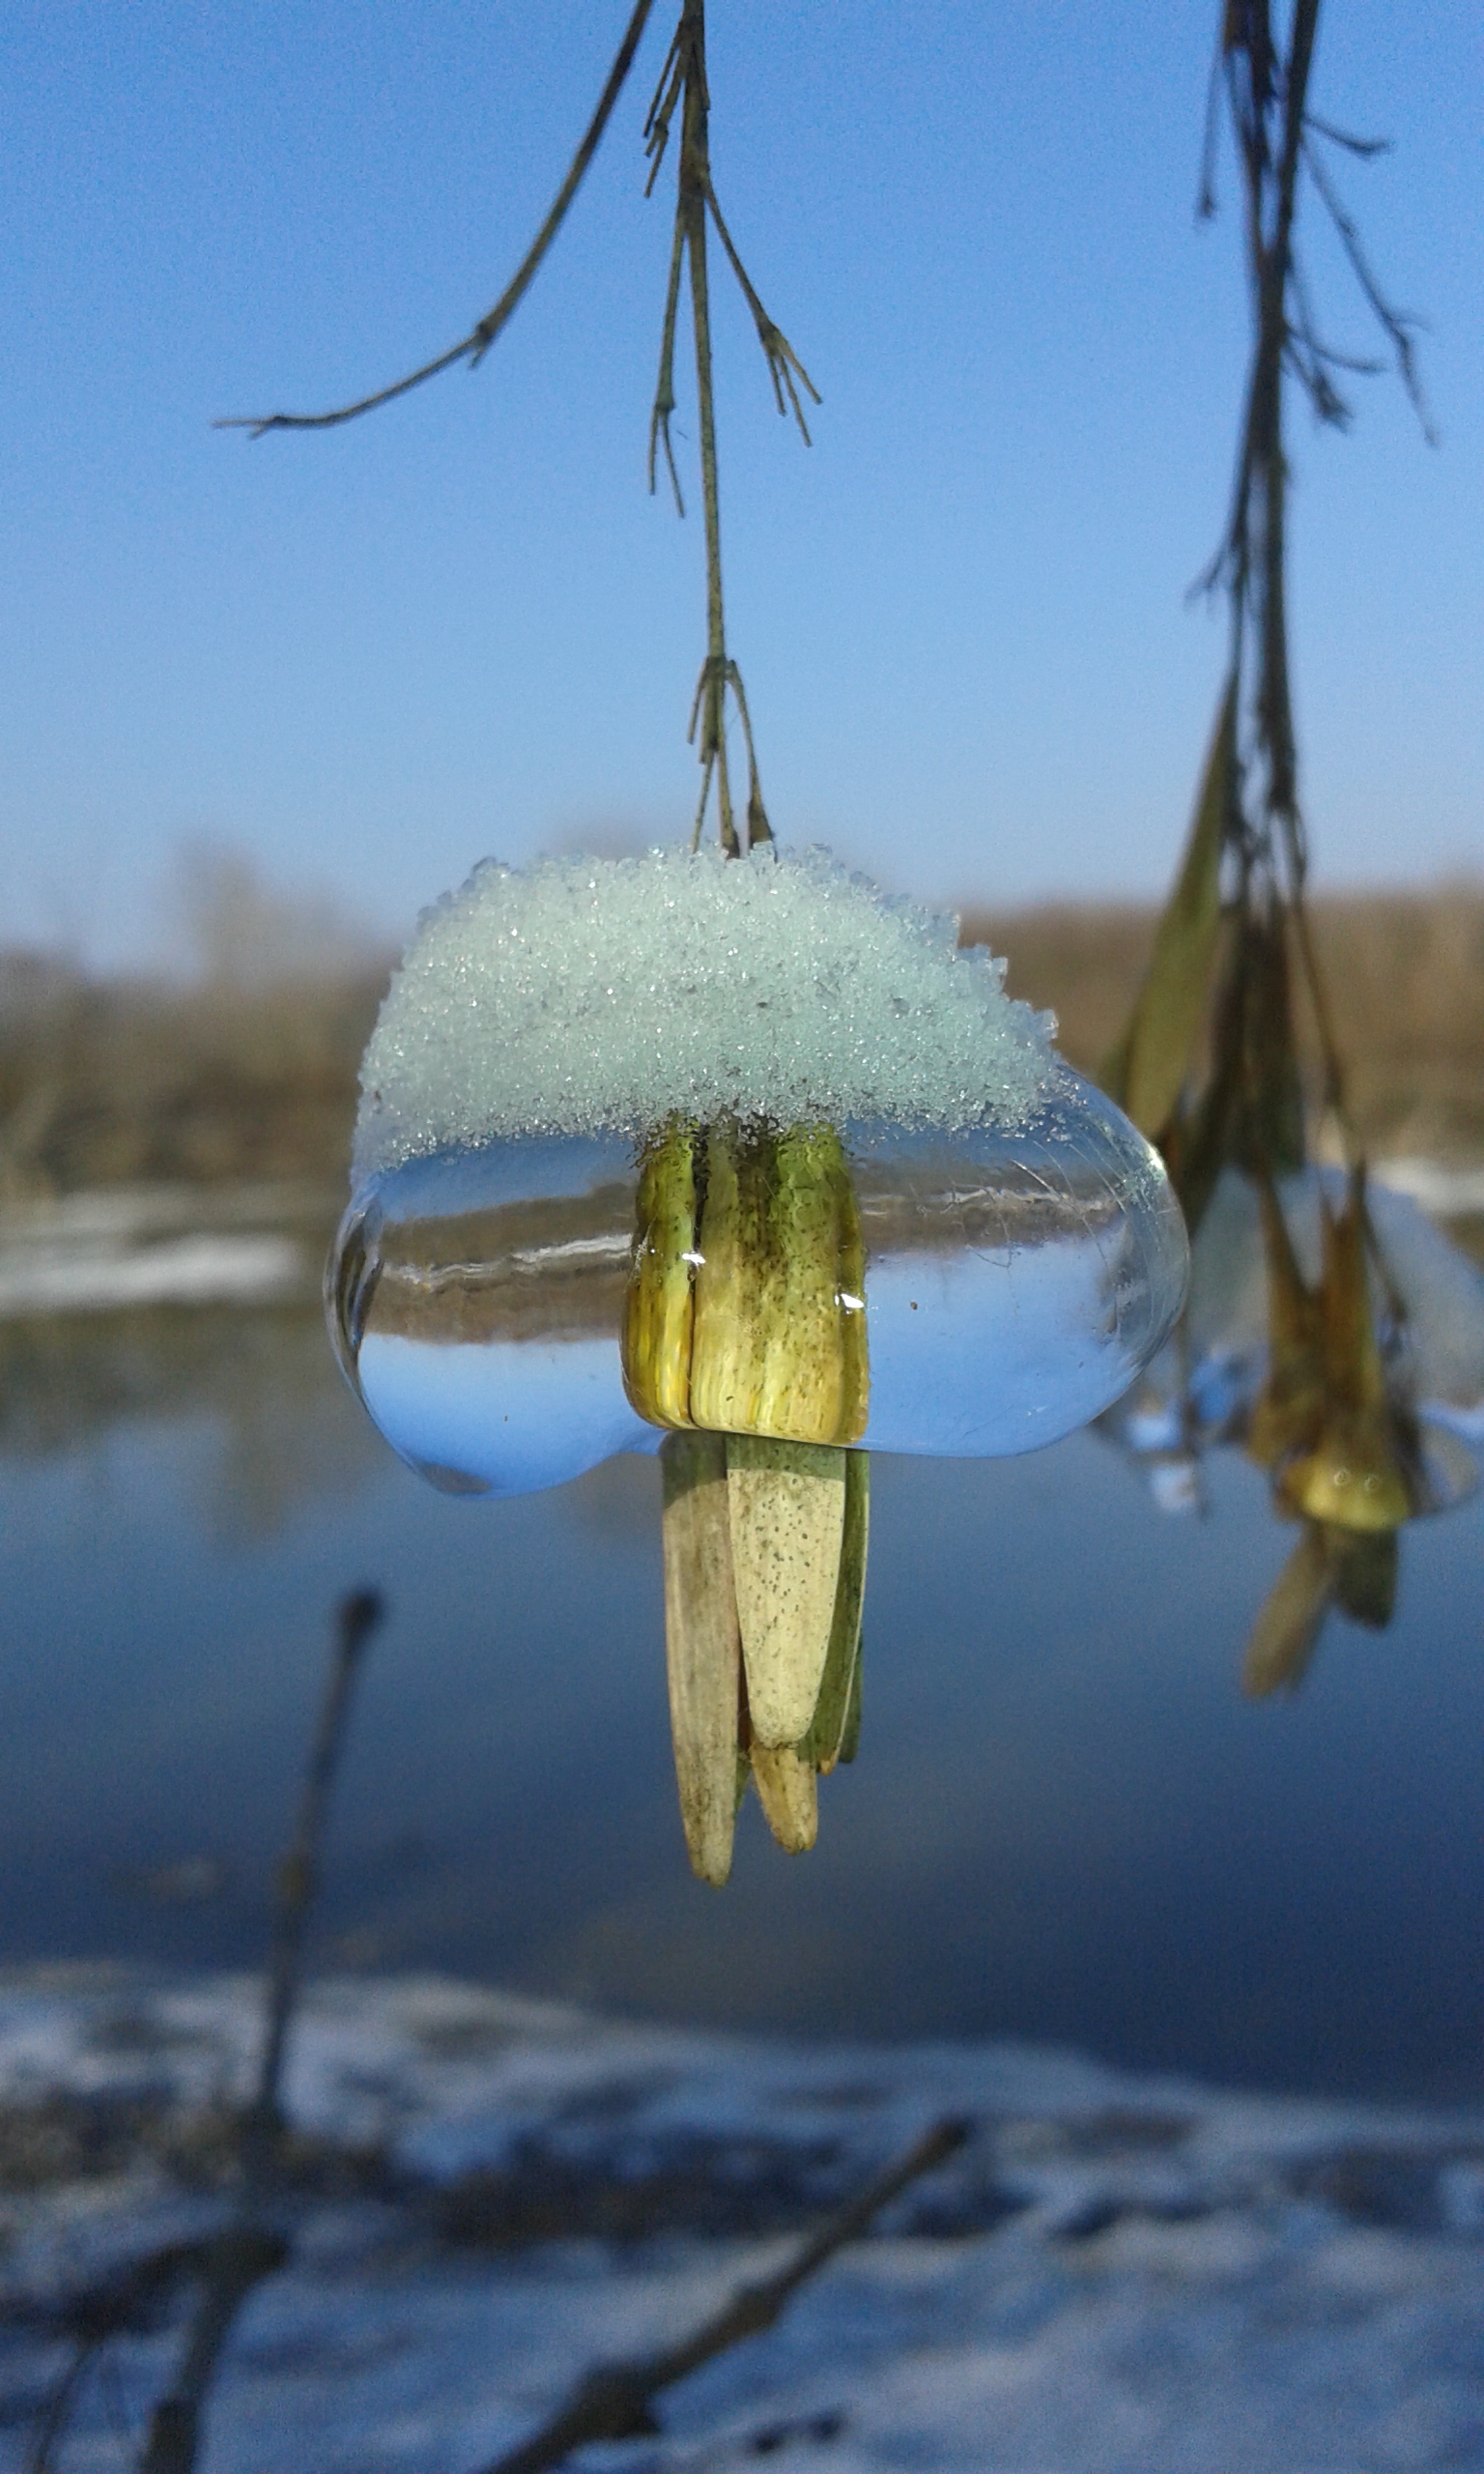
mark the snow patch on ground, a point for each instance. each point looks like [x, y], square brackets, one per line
[1117, 2275]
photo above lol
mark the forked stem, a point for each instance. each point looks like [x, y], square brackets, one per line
[683, 84]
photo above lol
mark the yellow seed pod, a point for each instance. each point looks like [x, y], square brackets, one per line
[1352, 1479]
[745, 1306]
[1289, 1413]
[656, 1338]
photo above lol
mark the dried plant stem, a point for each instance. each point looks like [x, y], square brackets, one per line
[356, 1619]
[615, 2401]
[476, 343]
[682, 86]
[1257, 566]
[237, 2265]
[1275, 133]
[253, 2246]
[1278, 140]
[785, 367]
[682, 83]
[691, 218]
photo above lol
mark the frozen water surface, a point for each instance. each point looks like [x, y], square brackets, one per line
[1016, 1281]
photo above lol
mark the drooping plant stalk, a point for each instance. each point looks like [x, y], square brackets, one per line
[1239, 915]
[1268, 99]
[1209, 1065]
[682, 84]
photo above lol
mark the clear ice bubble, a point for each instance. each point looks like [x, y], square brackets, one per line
[1015, 1282]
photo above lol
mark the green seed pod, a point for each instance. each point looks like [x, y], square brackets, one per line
[746, 1305]
[658, 1310]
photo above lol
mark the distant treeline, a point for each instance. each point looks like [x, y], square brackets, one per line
[253, 1077]
[105, 1082]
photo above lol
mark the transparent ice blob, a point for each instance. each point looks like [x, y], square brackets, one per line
[1015, 1282]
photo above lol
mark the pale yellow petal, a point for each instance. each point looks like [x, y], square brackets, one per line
[788, 1509]
[702, 1645]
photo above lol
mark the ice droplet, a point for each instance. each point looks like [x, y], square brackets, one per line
[1016, 1283]
[1011, 1241]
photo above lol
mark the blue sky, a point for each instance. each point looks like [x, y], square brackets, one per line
[463, 625]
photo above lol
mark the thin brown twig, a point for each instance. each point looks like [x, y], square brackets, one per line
[1397, 323]
[614, 2401]
[668, 89]
[227, 2267]
[1205, 193]
[476, 343]
[758, 829]
[683, 83]
[1311, 359]
[356, 1620]
[784, 363]
[252, 2247]
[665, 383]
[1364, 147]
[1274, 693]
[125, 2300]
[239, 2262]
[707, 729]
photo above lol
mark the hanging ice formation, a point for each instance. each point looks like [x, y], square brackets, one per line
[738, 1159]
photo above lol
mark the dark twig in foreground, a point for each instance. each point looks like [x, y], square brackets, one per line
[252, 2247]
[238, 2263]
[476, 343]
[130, 2299]
[614, 2401]
[356, 1620]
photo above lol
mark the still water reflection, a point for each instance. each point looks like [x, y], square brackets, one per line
[1065, 1822]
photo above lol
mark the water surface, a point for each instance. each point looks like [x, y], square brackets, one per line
[1064, 1823]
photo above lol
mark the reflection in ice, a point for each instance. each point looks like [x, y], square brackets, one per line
[1015, 1285]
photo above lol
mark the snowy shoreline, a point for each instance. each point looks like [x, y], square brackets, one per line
[115, 1248]
[112, 1249]
[1120, 2274]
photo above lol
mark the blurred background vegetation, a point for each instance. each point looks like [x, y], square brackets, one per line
[242, 1068]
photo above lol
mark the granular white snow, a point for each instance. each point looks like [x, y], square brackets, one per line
[602, 996]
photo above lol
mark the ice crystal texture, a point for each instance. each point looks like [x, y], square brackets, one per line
[591, 996]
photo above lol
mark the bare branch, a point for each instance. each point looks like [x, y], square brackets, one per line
[683, 83]
[356, 1620]
[476, 343]
[758, 829]
[1329, 406]
[613, 2401]
[784, 363]
[1397, 323]
[668, 92]
[127, 2299]
[252, 2247]
[1363, 146]
[665, 385]
[1311, 359]
[241, 2259]
[1205, 193]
